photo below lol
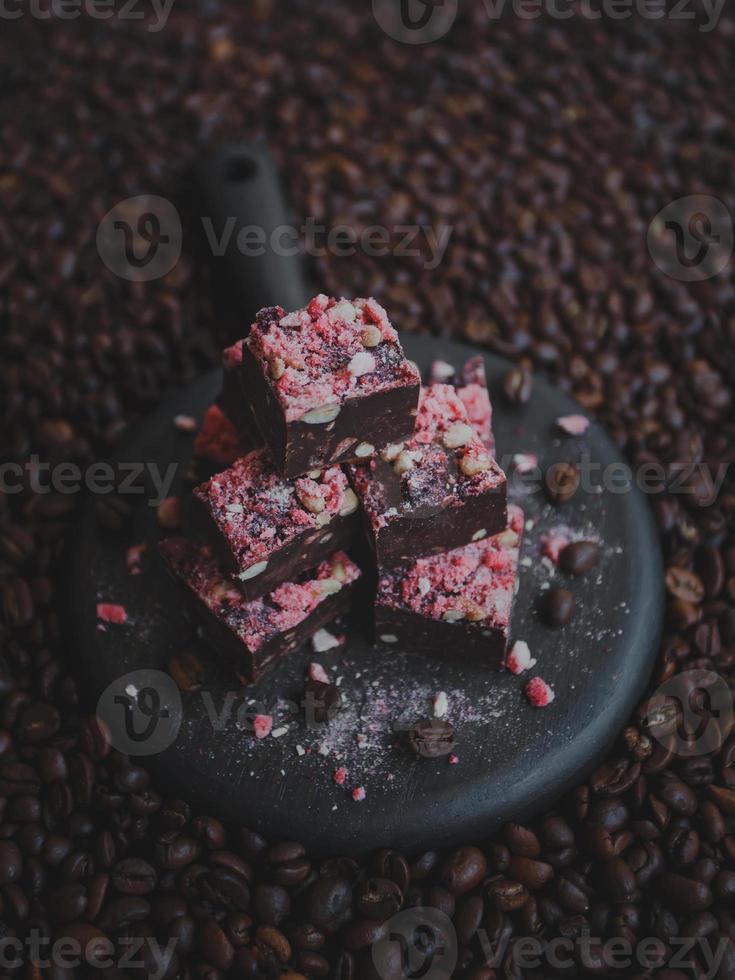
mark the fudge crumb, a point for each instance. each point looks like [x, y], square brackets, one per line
[525, 462]
[538, 692]
[262, 725]
[323, 640]
[340, 775]
[134, 558]
[519, 658]
[169, 513]
[573, 425]
[185, 423]
[359, 794]
[110, 612]
[440, 704]
[318, 673]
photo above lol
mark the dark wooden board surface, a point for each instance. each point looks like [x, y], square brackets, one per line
[513, 759]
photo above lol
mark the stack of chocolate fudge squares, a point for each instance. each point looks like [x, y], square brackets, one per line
[330, 436]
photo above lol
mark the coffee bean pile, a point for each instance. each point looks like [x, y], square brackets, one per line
[548, 146]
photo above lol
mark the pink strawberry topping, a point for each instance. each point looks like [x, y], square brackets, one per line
[328, 352]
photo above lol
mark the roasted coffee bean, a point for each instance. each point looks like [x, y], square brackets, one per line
[378, 898]
[579, 557]
[134, 876]
[323, 701]
[463, 870]
[68, 903]
[391, 864]
[11, 862]
[506, 896]
[468, 918]
[439, 898]
[431, 738]
[120, 913]
[214, 945]
[275, 942]
[562, 482]
[306, 936]
[328, 902]
[683, 894]
[558, 606]
[521, 840]
[531, 873]
[363, 934]
[225, 888]
[18, 779]
[517, 384]
[618, 880]
[272, 904]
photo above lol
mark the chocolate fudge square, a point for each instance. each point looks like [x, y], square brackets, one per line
[232, 400]
[456, 605]
[471, 384]
[254, 635]
[328, 383]
[436, 491]
[267, 529]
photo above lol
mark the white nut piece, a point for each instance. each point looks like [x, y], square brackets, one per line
[472, 612]
[314, 474]
[338, 572]
[453, 615]
[328, 586]
[479, 535]
[321, 414]
[371, 336]
[349, 503]
[277, 368]
[257, 569]
[440, 704]
[391, 452]
[323, 518]
[388, 638]
[313, 502]
[406, 460]
[458, 434]
[362, 363]
[364, 449]
[508, 538]
[471, 464]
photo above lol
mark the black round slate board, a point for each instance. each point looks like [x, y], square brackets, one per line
[513, 759]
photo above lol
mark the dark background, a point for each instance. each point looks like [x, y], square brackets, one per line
[549, 147]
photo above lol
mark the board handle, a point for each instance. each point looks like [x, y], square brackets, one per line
[246, 232]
